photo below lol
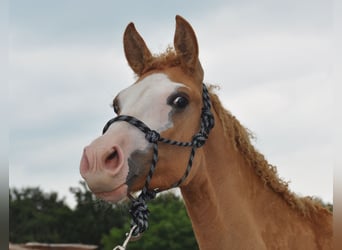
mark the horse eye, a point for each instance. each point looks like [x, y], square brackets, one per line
[180, 102]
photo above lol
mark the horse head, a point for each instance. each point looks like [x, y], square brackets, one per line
[167, 99]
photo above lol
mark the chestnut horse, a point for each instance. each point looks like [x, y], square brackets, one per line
[233, 196]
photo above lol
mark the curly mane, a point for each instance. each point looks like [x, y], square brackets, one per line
[164, 60]
[240, 138]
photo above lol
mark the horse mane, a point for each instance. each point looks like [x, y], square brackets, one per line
[169, 58]
[240, 138]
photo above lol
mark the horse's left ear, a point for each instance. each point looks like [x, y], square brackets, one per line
[186, 46]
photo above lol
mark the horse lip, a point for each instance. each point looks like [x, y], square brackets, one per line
[107, 192]
[114, 195]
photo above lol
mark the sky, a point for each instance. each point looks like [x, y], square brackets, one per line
[272, 60]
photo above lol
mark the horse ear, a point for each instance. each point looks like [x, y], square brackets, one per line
[185, 43]
[136, 51]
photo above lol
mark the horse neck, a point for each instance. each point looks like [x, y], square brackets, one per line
[231, 207]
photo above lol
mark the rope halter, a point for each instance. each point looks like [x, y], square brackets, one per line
[138, 209]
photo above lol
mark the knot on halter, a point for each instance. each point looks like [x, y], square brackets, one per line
[207, 119]
[139, 211]
[199, 139]
[152, 136]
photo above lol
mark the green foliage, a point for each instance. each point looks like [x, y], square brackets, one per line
[169, 228]
[38, 216]
[35, 215]
[92, 218]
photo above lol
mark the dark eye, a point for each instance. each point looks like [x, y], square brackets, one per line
[179, 101]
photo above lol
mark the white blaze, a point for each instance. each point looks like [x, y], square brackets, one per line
[147, 101]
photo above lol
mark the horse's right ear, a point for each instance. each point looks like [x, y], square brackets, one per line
[136, 51]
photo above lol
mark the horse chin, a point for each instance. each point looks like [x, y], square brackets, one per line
[115, 195]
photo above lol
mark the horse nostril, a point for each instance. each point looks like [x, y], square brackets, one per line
[112, 156]
[113, 160]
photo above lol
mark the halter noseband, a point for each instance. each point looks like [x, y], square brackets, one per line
[139, 210]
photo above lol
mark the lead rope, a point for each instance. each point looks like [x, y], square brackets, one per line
[139, 210]
[128, 239]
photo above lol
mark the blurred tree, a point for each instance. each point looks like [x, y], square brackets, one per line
[92, 218]
[43, 217]
[36, 216]
[170, 228]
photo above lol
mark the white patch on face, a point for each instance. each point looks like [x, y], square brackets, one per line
[147, 101]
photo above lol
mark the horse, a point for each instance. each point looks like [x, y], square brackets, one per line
[173, 131]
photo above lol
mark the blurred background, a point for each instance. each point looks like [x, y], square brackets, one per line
[272, 59]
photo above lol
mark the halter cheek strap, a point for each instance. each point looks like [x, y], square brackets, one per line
[138, 209]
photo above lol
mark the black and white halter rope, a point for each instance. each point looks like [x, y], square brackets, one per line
[139, 210]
